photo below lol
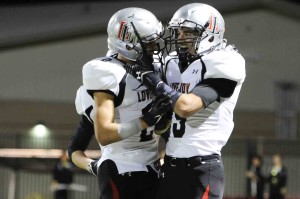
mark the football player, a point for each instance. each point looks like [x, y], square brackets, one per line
[120, 111]
[203, 79]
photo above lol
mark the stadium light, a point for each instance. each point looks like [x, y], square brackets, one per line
[40, 130]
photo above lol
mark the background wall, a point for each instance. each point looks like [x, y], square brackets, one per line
[52, 71]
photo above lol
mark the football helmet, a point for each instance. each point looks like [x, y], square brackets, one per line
[131, 29]
[204, 20]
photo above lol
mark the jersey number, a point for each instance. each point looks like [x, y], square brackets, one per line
[146, 136]
[179, 127]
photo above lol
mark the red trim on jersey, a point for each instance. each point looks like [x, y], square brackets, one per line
[114, 189]
[205, 195]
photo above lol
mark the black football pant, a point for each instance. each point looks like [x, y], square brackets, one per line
[192, 178]
[131, 185]
[61, 194]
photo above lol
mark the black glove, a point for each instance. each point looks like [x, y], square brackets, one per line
[164, 123]
[164, 89]
[158, 108]
[93, 167]
[144, 72]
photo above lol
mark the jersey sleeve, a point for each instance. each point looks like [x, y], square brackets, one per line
[223, 88]
[102, 74]
[226, 65]
[224, 70]
[78, 101]
[83, 101]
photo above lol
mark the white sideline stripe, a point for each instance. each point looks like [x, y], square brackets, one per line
[40, 153]
[73, 186]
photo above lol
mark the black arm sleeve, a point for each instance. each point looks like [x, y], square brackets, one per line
[81, 137]
[212, 89]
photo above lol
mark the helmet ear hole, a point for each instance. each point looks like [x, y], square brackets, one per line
[211, 39]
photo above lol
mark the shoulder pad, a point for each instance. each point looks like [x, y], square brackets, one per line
[103, 74]
[228, 64]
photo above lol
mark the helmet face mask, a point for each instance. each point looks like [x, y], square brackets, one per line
[184, 39]
[154, 47]
[131, 30]
[205, 21]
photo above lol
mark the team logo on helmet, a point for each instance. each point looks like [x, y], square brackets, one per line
[213, 24]
[124, 34]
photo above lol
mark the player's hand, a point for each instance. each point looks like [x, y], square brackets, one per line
[159, 107]
[144, 72]
[163, 124]
[92, 167]
[139, 67]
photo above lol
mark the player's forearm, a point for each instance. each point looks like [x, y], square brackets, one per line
[80, 159]
[113, 132]
[106, 133]
[187, 105]
[183, 104]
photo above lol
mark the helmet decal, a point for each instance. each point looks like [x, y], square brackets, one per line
[124, 34]
[130, 28]
[213, 24]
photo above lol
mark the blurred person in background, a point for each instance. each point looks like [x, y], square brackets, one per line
[121, 112]
[62, 177]
[277, 178]
[256, 179]
[203, 79]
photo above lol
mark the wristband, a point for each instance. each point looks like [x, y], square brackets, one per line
[128, 129]
[207, 94]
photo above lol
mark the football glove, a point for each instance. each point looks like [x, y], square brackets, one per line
[144, 73]
[163, 124]
[157, 109]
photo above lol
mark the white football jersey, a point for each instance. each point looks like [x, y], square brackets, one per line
[208, 130]
[107, 74]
